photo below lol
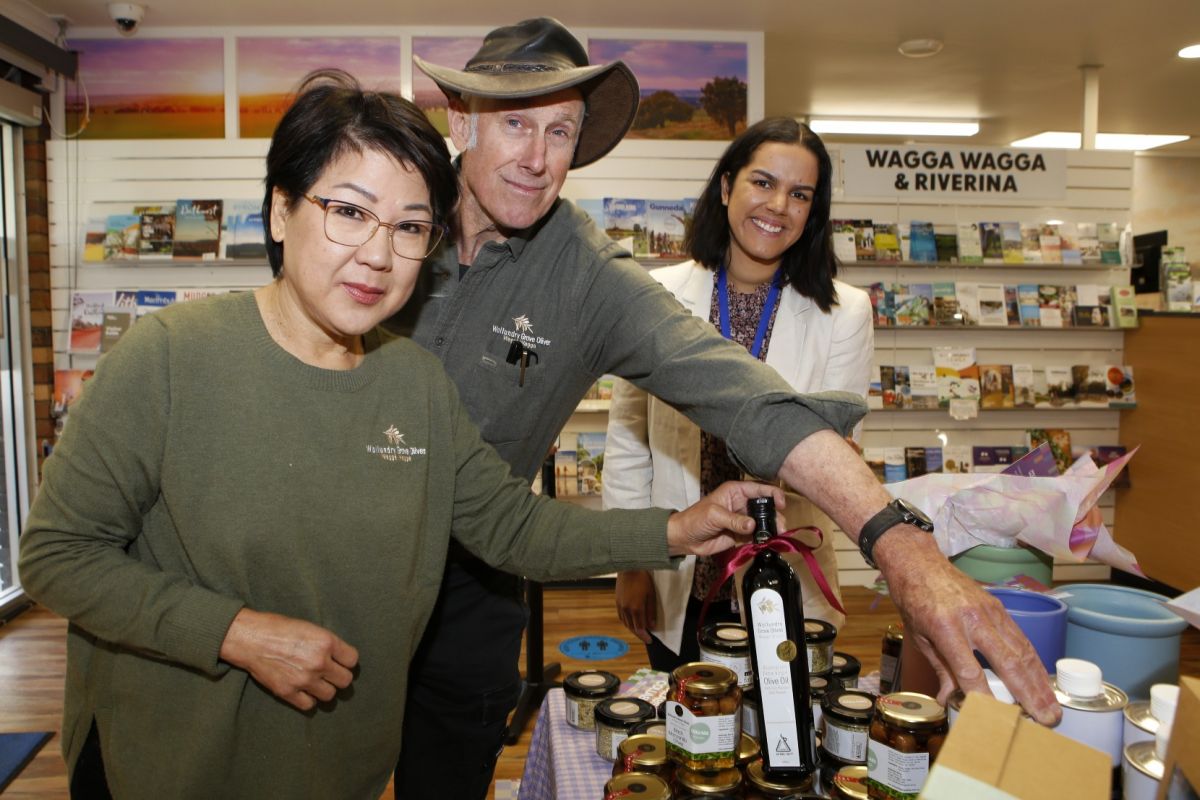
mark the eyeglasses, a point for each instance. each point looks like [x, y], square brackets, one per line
[353, 226]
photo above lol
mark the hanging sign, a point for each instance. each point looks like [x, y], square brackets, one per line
[927, 172]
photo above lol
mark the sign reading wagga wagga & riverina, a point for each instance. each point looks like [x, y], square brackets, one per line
[928, 172]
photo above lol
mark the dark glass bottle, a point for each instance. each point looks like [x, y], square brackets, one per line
[775, 622]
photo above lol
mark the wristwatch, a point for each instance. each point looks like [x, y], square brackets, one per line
[897, 512]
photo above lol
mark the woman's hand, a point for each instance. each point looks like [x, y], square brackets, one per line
[636, 598]
[719, 520]
[297, 661]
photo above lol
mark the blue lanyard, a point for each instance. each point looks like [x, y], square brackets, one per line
[764, 319]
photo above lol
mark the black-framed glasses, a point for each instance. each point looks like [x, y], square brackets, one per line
[353, 226]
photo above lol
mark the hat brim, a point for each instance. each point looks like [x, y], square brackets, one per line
[610, 94]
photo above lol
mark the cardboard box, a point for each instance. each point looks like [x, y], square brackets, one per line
[1183, 753]
[993, 753]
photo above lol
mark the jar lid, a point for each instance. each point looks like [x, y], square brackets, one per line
[653, 727]
[704, 680]
[910, 708]
[851, 782]
[818, 631]
[748, 749]
[641, 785]
[623, 712]
[703, 783]
[845, 665]
[850, 704]
[725, 637]
[895, 633]
[817, 684]
[643, 750]
[758, 779]
[591, 683]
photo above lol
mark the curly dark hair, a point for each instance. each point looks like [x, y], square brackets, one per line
[332, 115]
[809, 265]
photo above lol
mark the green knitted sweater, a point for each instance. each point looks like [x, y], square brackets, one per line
[205, 469]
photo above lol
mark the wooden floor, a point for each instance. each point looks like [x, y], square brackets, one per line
[33, 659]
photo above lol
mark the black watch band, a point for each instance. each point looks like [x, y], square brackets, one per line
[897, 512]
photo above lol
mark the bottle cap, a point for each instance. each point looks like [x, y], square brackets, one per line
[1079, 678]
[1163, 699]
[1162, 737]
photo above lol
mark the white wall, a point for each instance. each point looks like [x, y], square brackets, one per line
[1166, 196]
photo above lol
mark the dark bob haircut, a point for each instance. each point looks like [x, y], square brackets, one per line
[331, 116]
[809, 265]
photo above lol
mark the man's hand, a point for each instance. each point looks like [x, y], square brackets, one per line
[947, 616]
[945, 613]
[297, 661]
[719, 520]
[636, 597]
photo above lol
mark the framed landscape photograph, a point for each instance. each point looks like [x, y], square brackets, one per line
[445, 51]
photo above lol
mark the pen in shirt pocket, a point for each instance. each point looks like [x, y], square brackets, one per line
[519, 354]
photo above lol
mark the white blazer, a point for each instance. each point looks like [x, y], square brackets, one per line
[652, 452]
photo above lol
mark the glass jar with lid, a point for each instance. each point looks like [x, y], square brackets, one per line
[644, 753]
[728, 644]
[583, 692]
[819, 636]
[847, 714]
[708, 783]
[761, 787]
[849, 783]
[748, 750]
[845, 672]
[637, 784]
[906, 735]
[615, 719]
[703, 713]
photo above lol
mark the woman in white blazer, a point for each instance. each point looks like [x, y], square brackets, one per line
[763, 274]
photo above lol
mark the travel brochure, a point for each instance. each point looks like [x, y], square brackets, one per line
[97, 320]
[996, 305]
[179, 230]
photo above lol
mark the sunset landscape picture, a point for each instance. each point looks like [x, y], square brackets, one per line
[689, 90]
[149, 89]
[445, 51]
[270, 69]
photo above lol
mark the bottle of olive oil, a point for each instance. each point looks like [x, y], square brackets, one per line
[775, 622]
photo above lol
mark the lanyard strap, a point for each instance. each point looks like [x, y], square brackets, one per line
[764, 319]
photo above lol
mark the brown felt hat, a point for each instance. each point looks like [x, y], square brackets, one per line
[538, 57]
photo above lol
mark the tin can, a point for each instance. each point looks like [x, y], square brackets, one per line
[704, 696]
[1093, 711]
[728, 644]
[848, 714]
[845, 671]
[906, 735]
[639, 785]
[1141, 771]
[1140, 725]
[641, 752]
[615, 719]
[584, 691]
[889, 660]
[818, 640]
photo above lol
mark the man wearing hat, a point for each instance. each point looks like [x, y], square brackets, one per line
[527, 307]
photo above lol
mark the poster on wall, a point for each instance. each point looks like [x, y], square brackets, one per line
[149, 89]
[689, 90]
[445, 51]
[270, 69]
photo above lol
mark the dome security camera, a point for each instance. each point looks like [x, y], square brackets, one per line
[126, 16]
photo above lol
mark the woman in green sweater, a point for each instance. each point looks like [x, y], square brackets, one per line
[247, 479]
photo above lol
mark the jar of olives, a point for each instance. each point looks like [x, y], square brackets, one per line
[748, 750]
[761, 787]
[728, 644]
[644, 753]
[906, 735]
[704, 719]
[849, 783]
[637, 784]
[818, 639]
[583, 692]
[709, 784]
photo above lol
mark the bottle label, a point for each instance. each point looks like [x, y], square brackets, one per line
[614, 751]
[739, 664]
[898, 774]
[572, 712]
[780, 735]
[702, 738]
[848, 745]
[887, 669]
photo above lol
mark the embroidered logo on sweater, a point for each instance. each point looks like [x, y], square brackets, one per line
[521, 331]
[396, 448]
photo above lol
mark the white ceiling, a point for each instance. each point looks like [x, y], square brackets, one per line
[1014, 65]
